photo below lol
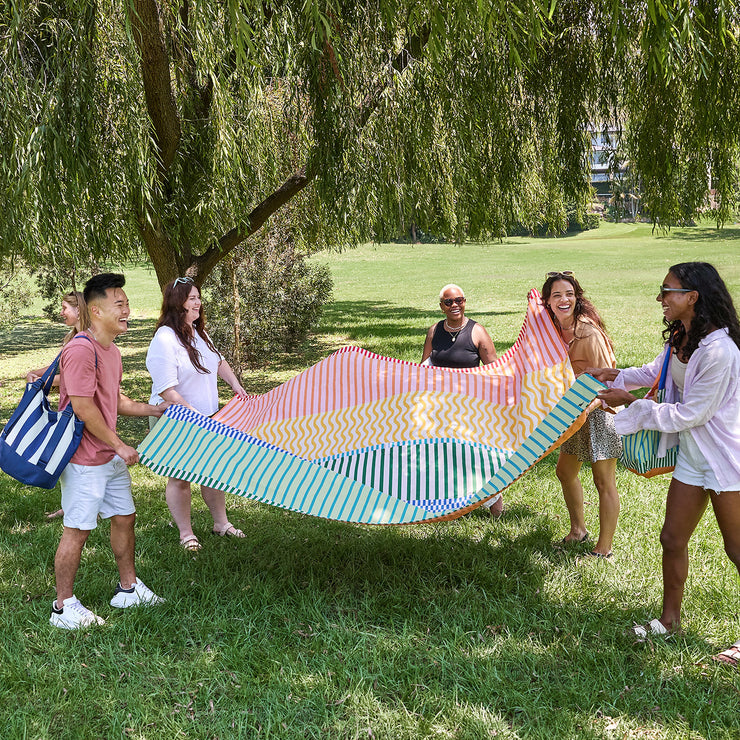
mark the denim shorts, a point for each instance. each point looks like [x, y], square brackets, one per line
[89, 490]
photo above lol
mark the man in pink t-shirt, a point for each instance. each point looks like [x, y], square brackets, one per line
[96, 482]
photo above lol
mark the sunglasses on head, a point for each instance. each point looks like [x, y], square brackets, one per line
[449, 301]
[186, 280]
[566, 273]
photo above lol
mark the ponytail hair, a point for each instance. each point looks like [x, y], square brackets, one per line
[77, 300]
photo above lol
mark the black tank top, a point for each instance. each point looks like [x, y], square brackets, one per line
[460, 353]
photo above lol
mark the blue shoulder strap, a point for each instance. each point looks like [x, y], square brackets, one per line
[47, 379]
[664, 369]
[48, 376]
[84, 336]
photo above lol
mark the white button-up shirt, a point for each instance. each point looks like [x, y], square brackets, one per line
[710, 409]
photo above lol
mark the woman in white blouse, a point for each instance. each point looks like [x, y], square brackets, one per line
[702, 412]
[185, 367]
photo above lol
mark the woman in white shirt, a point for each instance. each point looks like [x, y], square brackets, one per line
[701, 409]
[185, 367]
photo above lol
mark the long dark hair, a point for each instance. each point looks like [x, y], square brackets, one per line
[713, 309]
[583, 306]
[175, 294]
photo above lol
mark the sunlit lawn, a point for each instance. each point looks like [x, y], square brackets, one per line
[467, 629]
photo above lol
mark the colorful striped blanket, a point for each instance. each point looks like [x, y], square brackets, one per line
[369, 439]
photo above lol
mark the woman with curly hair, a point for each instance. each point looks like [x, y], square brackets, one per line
[701, 411]
[596, 442]
[185, 367]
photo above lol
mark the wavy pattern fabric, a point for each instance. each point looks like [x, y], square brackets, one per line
[189, 446]
[359, 437]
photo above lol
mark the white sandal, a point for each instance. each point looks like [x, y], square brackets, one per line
[229, 531]
[731, 656]
[655, 627]
[190, 543]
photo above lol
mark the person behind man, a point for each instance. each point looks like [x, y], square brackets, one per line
[97, 481]
[460, 342]
[74, 315]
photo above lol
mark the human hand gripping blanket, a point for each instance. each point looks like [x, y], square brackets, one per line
[373, 440]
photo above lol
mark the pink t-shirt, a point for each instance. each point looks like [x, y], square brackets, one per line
[79, 377]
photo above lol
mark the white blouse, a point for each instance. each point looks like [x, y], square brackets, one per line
[169, 365]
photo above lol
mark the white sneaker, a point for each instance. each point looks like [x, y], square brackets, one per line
[72, 615]
[138, 594]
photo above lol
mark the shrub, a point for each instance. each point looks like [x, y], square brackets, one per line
[14, 292]
[263, 301]
[579, 220]
[55, 281]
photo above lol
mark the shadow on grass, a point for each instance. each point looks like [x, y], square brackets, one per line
[427, 618]
[699, 234]
[32, 335]
[479, 615]
[40, 333]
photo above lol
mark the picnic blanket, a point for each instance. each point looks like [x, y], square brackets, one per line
[370, 439]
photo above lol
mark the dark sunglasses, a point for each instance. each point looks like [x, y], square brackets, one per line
[449, 301]
[662, 291]
[567, 273]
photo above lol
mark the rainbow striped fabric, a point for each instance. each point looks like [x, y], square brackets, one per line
[370, 439]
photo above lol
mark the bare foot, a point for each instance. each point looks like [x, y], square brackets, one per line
[497, 509]
[55, 514]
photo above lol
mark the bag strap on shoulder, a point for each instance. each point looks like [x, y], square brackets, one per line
[84, 336]
[664, 369]
[47, 379]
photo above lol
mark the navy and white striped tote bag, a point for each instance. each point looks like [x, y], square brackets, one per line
[37, 442]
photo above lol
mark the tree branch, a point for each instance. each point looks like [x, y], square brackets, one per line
[300, 179]
[202, 95]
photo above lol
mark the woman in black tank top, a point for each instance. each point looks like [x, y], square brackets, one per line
[457, 341]
[460, 342]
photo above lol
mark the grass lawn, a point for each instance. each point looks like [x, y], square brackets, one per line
[307, 629]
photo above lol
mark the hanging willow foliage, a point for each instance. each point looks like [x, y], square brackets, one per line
[177, 129]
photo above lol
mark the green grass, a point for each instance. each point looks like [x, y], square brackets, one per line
[307, 629]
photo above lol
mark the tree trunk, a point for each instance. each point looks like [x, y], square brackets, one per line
[237, 320]
[173, 260]
[166, 260]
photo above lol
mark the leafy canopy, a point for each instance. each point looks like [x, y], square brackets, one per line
[178, 129]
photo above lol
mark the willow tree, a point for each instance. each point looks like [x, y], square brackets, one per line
[179, 127]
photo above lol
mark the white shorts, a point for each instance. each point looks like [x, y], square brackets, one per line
[693, 469]
[89, 490]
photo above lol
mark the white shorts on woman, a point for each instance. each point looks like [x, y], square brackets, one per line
[693, 469]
